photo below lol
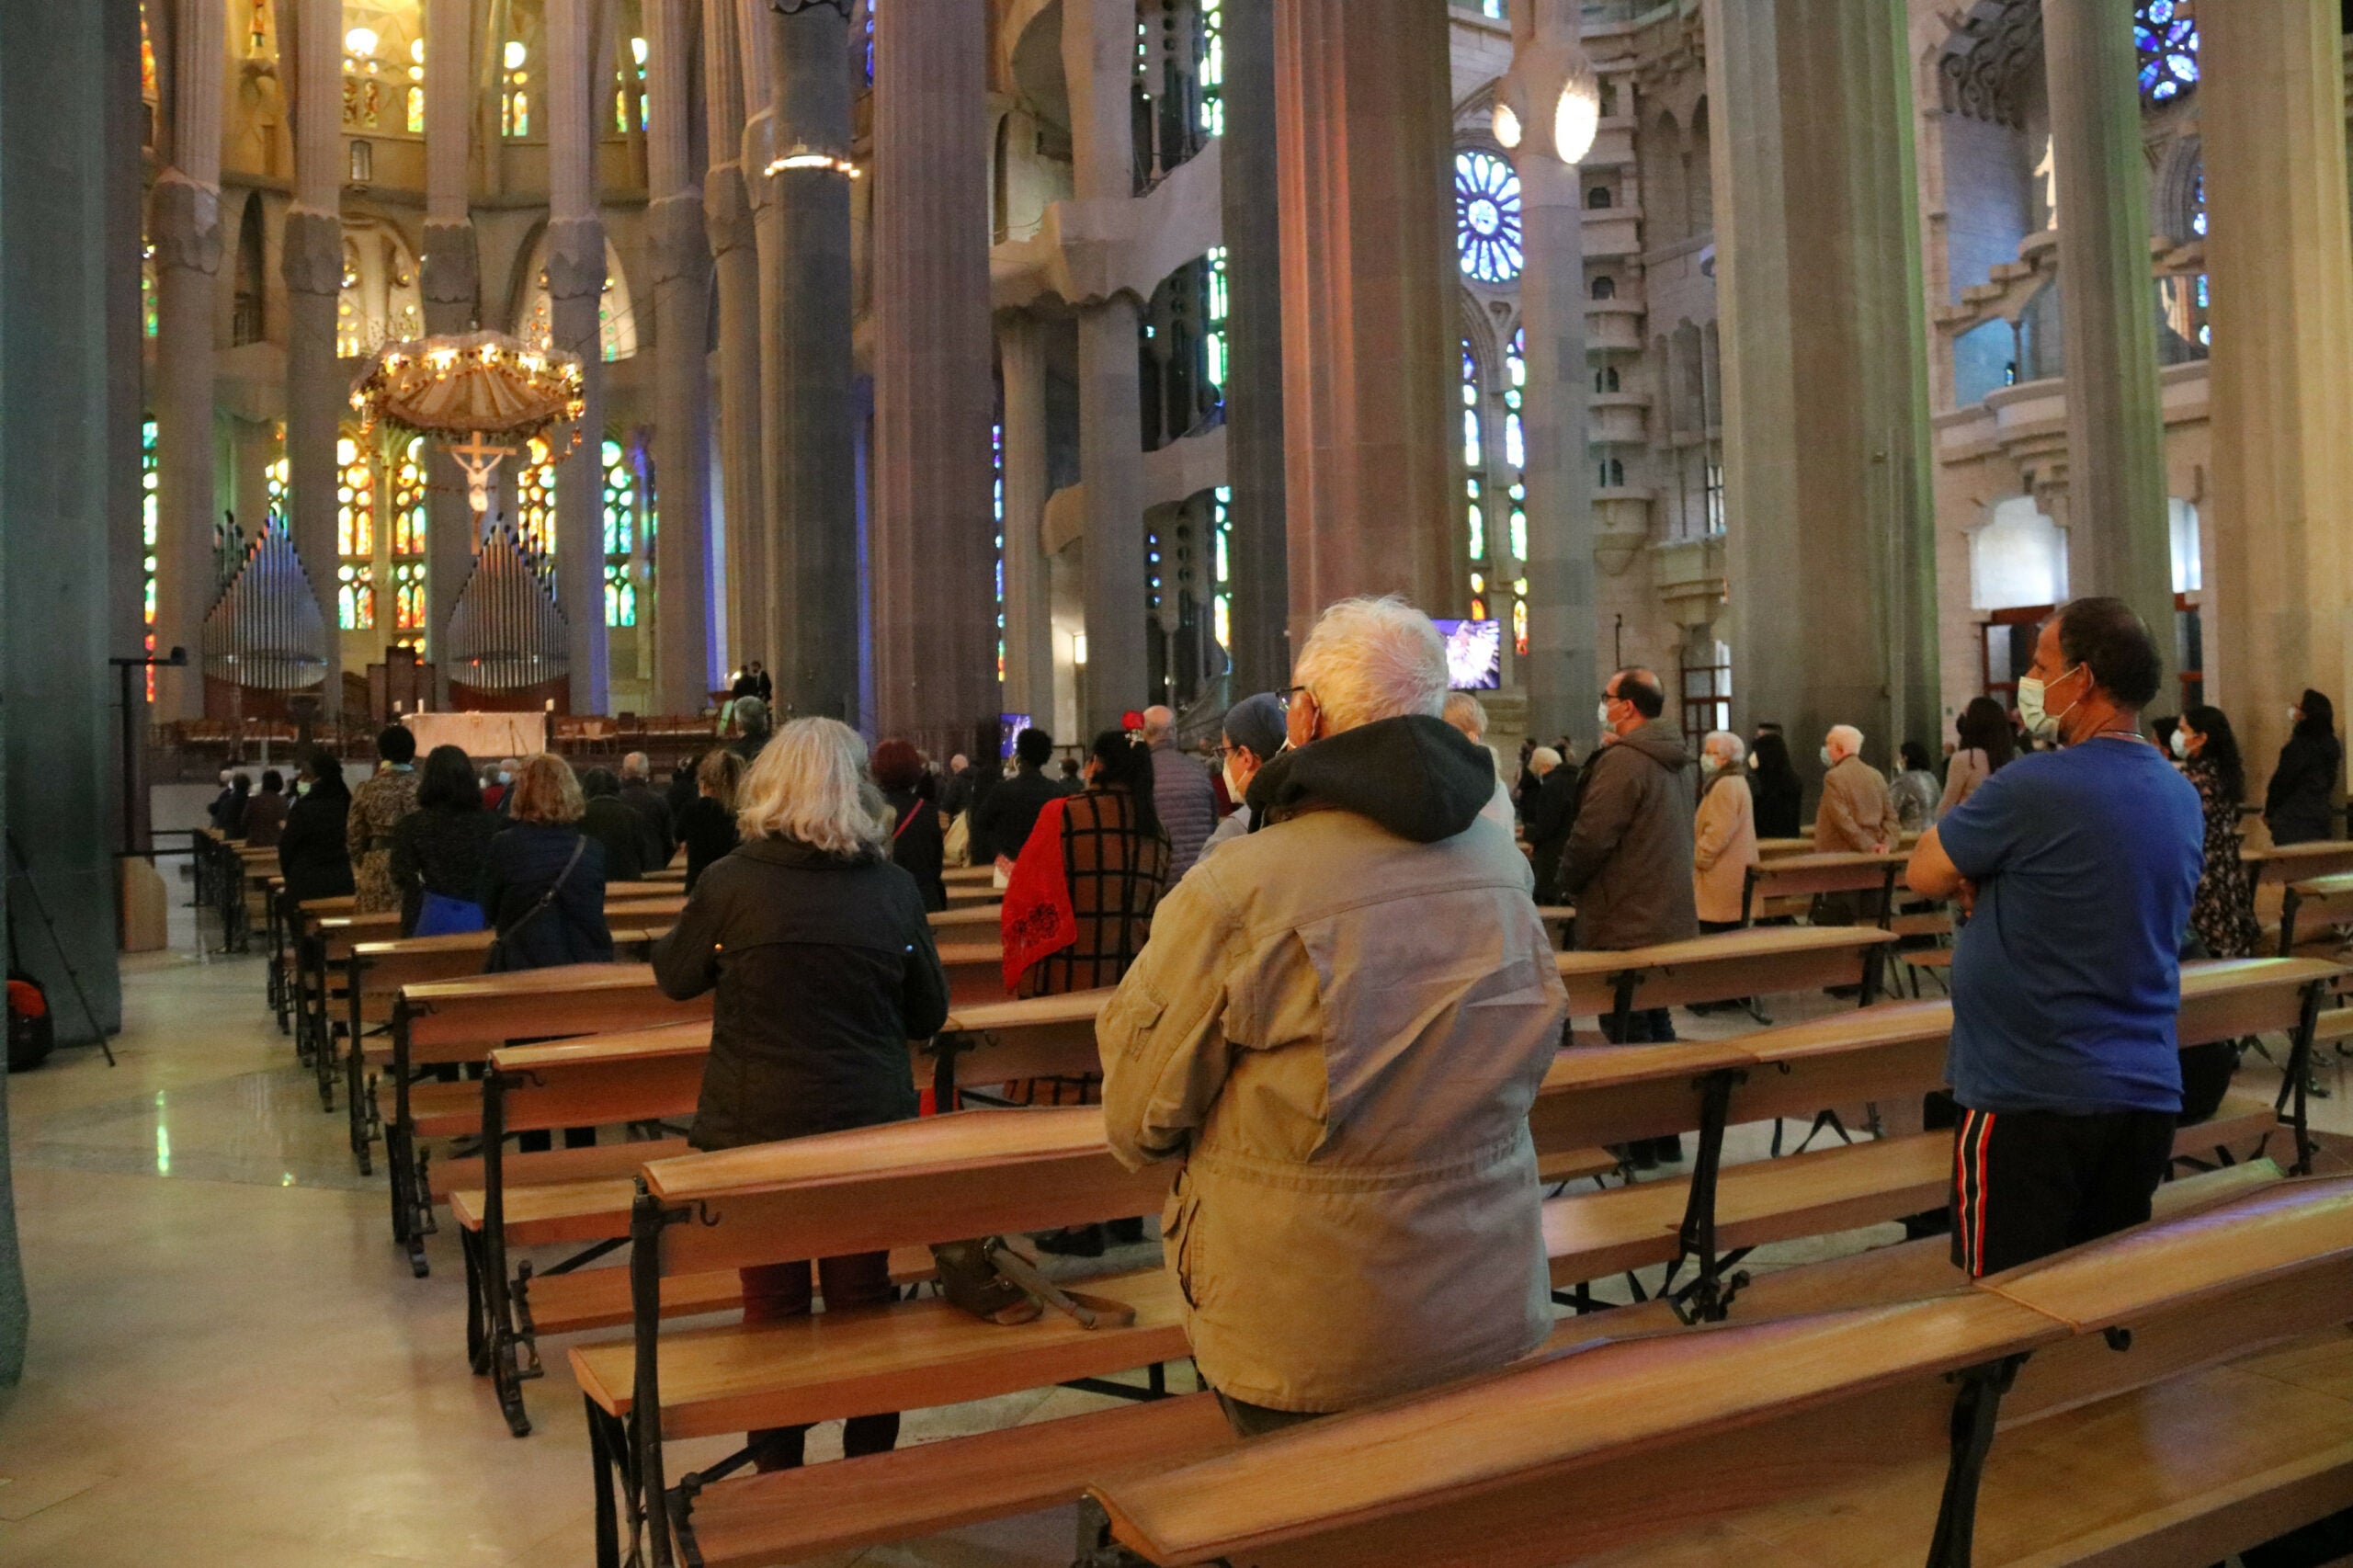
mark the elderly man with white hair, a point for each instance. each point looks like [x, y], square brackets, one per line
[1182, 796]
[1338, 1027]
[659, 835]
[1468, 714]
[1857, 814]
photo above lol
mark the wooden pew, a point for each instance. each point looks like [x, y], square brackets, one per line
[973, 896]
[1761, 961]
[975, 972]
[966, 876]
[2314, 905]
[1810, 876]
[463, 1020]
[2293, 863]
[943, 1179]
[968, 921]
[1613, 1444]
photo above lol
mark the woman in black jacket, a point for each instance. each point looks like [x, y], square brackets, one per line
[311, 851]
[441, 848]
[2299, 806]
[543, 880]
[825, 968]
[706, 827]
[1774, 784]
[918, 839]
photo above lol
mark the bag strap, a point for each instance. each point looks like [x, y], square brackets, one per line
[908, 821]
[579, 847]
[1088, 1312]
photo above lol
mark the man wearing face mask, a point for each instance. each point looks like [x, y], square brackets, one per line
[1254, 733]
[2080, 865]
[1858, 815]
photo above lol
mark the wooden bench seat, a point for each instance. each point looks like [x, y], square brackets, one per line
[1811, 875]
[587, 1299]
[1725, 966]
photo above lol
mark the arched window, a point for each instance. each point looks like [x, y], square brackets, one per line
[1474, 485]
[1486, 217]
[1516, 452]
[535, 498]
[355, 537]
[1598, 197]
[616, 314]
[1605, 287]
[408, 545]
[2165, 32]
[620, 535]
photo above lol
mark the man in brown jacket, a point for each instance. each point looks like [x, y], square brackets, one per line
[1857, 814]
[1338, 1026]
[1628, 864]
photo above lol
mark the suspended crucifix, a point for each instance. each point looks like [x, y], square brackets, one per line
[481, 397]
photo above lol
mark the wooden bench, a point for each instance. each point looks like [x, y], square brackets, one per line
[969, 921]
[1613, 1444]
[2314, 904]
[2294, 863]
[436, 1022]
[1812, 876]
[1761, 961]
[943, 1179]
[975, 972]
[973, 896]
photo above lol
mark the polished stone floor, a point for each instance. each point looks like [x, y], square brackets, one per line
[231, 1363]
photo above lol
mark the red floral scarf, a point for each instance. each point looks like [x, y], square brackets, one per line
[1038, 918]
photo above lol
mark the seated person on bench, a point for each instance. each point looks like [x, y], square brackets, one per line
[2079, 866]
[826, 968]
[1339, 1025]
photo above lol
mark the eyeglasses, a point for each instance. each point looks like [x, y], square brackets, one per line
[1286, 693]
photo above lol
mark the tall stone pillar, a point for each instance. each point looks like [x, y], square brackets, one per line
[1254, 352]
[934, 573]
[681, 376]
[1099, 39]
[1830, 547]
[575, 282]
[736, 270]
[184, 226]
[2272, 110]
[2117, 539]
[316, 399]
[760, 548]
[1371, 339]
[1562, 670]
[1028, 592]
[452, 293]
[814, 608]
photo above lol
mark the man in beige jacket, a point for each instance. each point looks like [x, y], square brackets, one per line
[1857, 814]
[1338, 1027]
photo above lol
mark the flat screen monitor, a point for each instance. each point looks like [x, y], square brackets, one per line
[1010, 726]
[1474, 654]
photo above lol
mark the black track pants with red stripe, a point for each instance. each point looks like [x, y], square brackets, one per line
[2029, 1183]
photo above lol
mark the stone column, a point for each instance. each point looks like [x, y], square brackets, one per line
[934, 573]
[2272, 109]
[1371, 337]
[452, 293]
[184, 226]
[1830, 547]
[1029, 600]
[681, 376]
[1254, 352]
[1562, 670]
[812, 610]
[2118, 539]
[759, 547]
[1098, 40]
[575, 282]
[727, 223]
[316, 399]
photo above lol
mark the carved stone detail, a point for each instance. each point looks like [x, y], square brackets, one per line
[675, 242]
[311, 262]
[727, 210]
[575, 258]
[451, 273]
[184, 224]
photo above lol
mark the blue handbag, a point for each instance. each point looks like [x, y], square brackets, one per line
[441, 916]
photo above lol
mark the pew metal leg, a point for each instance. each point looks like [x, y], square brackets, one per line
[1096, 1546]
[1708, 1298]
[1975, 1410]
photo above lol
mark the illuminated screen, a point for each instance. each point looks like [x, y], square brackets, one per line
[1474, 654]
[1009, 727]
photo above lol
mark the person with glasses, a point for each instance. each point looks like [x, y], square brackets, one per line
[1253, 734]
[1338, 1027]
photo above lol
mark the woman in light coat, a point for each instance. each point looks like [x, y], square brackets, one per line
[1723, 833]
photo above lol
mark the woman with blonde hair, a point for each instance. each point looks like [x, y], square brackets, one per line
[824, 969]
[543, 880]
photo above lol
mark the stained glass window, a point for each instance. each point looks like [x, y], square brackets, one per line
[2165, 33]
[275, 480]
[355, 537]
[1221, 557]
[1515, 393]
[355, 597]
[535, 499]
[2198, 203]
[408, 602]
[1486, 217]
[631, 89]
[1212, 71]
[408, 499]
[996, 510]
[620, 536]
[870, 41]
[515, 90]
[1474, 481]
[150, 502]
[1213, 316]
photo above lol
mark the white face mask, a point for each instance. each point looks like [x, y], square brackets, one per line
[2295, 715]
[1827, 760]
[1234, 788]
[1602, 713]
[302, 786]
[2181, 744]
[505, 776]
[2041, 725]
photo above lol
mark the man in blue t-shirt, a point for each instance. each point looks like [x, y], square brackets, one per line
[2077, 867]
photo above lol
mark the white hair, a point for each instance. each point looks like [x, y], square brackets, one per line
[1845, 739]
[1733, 748]
[1542, 760]
[1157, 721]
[1370, 659]
[1466, 713]
[810, 784]
[636, 765]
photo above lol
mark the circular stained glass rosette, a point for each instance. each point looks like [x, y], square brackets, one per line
[2165, 32]
[1487, 218]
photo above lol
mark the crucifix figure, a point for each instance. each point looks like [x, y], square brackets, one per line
[479, 460]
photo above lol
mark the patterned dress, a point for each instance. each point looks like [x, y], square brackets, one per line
[2223, 912]
[377, 808]
[1117, 872]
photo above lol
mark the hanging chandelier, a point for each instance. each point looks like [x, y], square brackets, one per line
[480, 397]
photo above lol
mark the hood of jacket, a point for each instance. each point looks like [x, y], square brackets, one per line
[1659, 741]
[1418, 777]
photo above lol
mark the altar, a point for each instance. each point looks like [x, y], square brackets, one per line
[485, 737]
